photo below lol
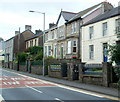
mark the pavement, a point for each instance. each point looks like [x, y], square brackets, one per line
[76, 84]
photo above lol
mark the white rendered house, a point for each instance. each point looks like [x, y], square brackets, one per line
[97, 34]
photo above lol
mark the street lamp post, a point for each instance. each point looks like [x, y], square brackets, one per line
[43, 35]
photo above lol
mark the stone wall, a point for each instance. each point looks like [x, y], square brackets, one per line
[15, 66]
[11, 65]
[22, 68]
[6, 65]
[97, 80]
[36, 69]
[105, 79]
[57, 73]
[75, 72]
[68, 69]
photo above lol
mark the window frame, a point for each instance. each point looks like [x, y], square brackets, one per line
[74, 27]
[105, 28]
[117, 25]
[74, 46]
[69, 46]
[49, 51]
[91, 52]
[91, 32]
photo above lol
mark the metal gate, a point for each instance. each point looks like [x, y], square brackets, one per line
[64, 69]
[75, 72]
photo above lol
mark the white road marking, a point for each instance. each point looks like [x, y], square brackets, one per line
[11, 83]
[1, 99]
[33, 89]
[1, 79]
[59, 99]
[5, 76]
[73, 89]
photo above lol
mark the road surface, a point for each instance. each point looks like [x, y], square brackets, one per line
[15, 87]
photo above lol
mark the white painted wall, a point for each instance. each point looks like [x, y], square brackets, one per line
[98, 40]
[51, 41]
[61, 21]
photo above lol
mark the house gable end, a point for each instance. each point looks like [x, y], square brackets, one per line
[61, 21]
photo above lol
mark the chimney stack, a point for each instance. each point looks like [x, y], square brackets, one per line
[51, 25]
[38, 31]
[17, 32]
[28, 27]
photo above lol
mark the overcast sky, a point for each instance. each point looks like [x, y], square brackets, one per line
[15, 13]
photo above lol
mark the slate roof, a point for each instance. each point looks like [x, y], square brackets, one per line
[106, 15]
[66, 15]
[34, 36]
[81, 13]
[9, 39]
[52, 28]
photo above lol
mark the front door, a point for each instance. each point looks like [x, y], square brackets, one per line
[105, 52]
[64, 69]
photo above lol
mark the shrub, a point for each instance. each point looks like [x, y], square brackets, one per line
[21, 57]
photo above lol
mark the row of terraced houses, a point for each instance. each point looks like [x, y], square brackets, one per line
[75, 47]
[83, 35]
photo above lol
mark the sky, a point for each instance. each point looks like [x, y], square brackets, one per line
[14, 14]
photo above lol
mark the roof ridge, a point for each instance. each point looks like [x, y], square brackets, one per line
[106, 15]
[69, 12]
[90, 7]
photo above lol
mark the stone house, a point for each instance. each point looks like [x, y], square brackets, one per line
[50, 42]
[64, 17]
[9, 45]
[68, 31]
[35, 40]
[73, 27]
[54, 36]
[97, 34]
[16, 44]
[19, 40]
[2, 45]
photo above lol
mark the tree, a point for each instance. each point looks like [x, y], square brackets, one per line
[35, 52]
[39, 56]
[21, 57]
[114, 52]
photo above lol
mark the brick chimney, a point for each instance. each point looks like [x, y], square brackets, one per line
[28, 27]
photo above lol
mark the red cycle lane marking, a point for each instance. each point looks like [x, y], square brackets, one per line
[14, 82]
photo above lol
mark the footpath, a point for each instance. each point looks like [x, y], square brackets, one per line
[76, 84]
